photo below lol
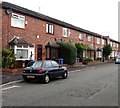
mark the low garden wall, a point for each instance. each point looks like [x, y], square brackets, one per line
[12, 71]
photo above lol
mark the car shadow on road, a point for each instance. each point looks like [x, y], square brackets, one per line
[40, 82]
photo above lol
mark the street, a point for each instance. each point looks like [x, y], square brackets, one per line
[95, 87]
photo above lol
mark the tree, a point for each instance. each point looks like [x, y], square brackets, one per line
[80, 47]
[107, 49]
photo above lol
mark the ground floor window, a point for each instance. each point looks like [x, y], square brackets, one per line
[22, 53]
[52, 53]
[99, 54]
[84, 53]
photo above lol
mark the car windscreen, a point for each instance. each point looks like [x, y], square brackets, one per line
[30, 63]
[37, 64]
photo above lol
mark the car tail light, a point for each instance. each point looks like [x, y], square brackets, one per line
[40, 71]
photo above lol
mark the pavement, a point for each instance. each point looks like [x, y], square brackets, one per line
[8, 79]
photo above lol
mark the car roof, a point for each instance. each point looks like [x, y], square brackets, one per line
[43, 60]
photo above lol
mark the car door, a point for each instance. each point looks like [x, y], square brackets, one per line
[49, 68]
[58, 71]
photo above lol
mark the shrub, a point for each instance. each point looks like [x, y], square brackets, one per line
[86, 60]
[68, 52]
[80, 47]
[7, 58]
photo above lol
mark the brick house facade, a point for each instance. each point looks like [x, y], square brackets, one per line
[34, 35]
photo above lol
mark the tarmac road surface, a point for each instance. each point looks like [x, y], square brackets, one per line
[94, 87]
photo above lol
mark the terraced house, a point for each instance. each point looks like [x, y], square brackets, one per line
[34, 35]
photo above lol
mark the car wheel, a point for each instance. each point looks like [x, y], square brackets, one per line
[46, 79]
[65, 75]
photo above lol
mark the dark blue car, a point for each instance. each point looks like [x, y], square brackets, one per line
[117, 61]
[44, 71]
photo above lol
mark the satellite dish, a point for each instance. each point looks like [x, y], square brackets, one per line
[9, 11]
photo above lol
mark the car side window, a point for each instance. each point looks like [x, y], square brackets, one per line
[48, 64]
[55, 64]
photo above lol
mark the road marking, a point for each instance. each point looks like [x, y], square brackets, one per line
[10, 87]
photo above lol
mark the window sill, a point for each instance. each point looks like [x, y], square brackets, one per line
[22, 59]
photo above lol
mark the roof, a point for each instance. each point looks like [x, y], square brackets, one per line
[19, 41]
[54, 45]
[114, 41]
[25, 11]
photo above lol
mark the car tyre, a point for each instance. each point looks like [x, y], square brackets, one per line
[65, 75]
[46, 79]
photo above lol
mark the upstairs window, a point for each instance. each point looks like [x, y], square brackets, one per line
[89, 38]
[98, 40]
[17, 21]
[117, 45]
[80, 37]
[66, 32]
[49, 28]
[114, 44]
[111, 44]
[102, 41]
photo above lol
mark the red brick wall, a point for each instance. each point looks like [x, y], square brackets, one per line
[38, 27]
[0, 28]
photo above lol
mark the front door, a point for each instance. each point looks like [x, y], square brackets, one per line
[39, 52]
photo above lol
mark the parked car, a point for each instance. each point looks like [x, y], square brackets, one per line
[117, 61]
[29, 63]
[44, 71]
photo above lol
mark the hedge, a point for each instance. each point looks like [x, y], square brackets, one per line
[68, 52]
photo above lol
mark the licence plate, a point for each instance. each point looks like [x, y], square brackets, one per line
[30, 76]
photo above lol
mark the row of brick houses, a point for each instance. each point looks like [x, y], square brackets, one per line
[33, 35]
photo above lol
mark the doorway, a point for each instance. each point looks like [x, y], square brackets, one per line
[39, 52]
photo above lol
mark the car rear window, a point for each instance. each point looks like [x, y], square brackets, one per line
[37, 64]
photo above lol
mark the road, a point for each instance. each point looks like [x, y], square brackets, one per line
[94, 87]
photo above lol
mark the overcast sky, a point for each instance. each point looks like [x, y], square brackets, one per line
[99, 16]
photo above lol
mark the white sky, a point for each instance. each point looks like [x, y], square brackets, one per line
[99, 16]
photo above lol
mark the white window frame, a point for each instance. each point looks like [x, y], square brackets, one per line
[117, 45]
[112, 54]
[66, 32]
[80, 36]
[111, 43]
[98, 40]
[99, 54]
[103, 41]
[114, 44]
[89, 38]
[49, 28]
[23, 48]
[15, 18]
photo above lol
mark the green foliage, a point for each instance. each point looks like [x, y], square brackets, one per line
[107, 49]
[68, 52]
[7, 58]
[80, 46]
[86, 60]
